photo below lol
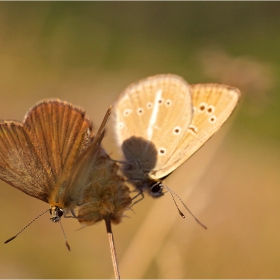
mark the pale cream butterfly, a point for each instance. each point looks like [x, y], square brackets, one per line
[161, 121]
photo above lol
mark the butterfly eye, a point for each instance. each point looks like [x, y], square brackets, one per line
[156, 188]
[56, 213]
[59, 212]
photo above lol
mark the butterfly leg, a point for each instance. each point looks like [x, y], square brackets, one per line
[140, 193]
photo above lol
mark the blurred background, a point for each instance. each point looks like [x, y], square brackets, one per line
[87, 53]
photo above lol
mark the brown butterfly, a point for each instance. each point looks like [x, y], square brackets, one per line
[49, 154]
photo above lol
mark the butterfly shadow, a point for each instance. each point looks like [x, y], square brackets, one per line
[141, 159]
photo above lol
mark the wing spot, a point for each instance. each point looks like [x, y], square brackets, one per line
[160, 101]
[121, 125]
[202, 107]
[161, 151]
[168, 103]
[193, 129]
[176, 130]
[140, 111]
[127, 112]
[210, 110]
[149, 105]
[212, 119]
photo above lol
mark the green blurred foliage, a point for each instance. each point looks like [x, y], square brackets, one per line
[66, 41]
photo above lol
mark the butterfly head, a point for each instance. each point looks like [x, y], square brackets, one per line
[56, 213]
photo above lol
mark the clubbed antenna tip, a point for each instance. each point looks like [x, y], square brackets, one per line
[12, 238]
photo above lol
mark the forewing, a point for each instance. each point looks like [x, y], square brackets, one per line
[158, 109]
[62, 133]
[20, 165]
[212, 105]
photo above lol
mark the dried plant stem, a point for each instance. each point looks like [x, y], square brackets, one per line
[112, 247]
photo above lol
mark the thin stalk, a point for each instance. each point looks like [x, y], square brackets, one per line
[112, 247]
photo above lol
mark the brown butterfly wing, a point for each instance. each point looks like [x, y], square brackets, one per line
[20, 165]
[62, 133]
[86, 164]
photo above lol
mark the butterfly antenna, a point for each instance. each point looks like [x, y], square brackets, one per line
[12, 238]
[173, 193]
[112, 247]
[67, 245]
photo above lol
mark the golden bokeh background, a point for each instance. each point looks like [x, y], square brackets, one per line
[87, 53]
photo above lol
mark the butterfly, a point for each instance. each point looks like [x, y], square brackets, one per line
[161, 121]
[49, 155]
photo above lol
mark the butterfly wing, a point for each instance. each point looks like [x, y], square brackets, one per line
[86, 164]
[20, 165]
[212, 105]
[158, 109]
[37, 156]
[62, 133]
